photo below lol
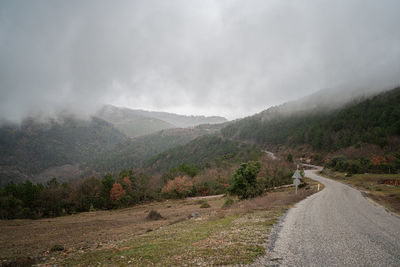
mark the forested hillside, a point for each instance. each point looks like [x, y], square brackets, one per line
[371, 120]
[133, 153]
[130, 122]
[136, 123]
[203, 152]
[33, 146]
[183, 121]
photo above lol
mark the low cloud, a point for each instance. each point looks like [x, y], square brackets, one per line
[229, 58]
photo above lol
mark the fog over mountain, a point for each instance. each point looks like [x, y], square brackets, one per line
[227, 58]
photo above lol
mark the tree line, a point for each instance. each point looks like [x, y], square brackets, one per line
[33, 201]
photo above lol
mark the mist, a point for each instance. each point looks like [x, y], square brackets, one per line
[227, 58]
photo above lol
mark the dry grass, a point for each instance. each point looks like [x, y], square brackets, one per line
[125, 237]
[90, 230]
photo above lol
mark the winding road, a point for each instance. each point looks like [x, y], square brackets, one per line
[337, 226]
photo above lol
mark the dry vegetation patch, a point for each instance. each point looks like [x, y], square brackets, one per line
[221, 236]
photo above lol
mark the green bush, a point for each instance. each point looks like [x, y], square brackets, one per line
[228, 202]
[244, 181]
[205, 205]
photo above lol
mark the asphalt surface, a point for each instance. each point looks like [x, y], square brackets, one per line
[337, 226]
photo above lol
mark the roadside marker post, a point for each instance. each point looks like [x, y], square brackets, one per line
[297, 176]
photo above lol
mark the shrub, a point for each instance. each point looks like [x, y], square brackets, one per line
[244, 181]
[116, 192]
[228, 202]
[154, 216]
[205, 205]
[57, 247]
[179, 187]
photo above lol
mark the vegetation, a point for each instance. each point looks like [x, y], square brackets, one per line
[228, 202]
[371, 120]
[235, 235]
[374, 164]
[176, 119]
[131, 123]
[28, 200]
[244, 180]
[205, 151]
[205, 205]
[30, 148]
[134, 153]
[154, 216]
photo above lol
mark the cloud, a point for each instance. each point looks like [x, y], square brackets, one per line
[230, 58]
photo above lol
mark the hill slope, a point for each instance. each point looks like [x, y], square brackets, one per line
[32, 147]
[202, 152]
[132, 123]
[371, 120]
[182, 121]
[133, 153]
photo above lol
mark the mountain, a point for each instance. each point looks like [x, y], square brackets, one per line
[133, 153]
[32, 147]
[182, 121]
[371, 120]
[131, 122]
[135, 122]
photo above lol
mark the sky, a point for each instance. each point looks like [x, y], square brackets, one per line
[229, 58]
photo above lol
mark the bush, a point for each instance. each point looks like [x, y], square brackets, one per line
[228, 202]
[205, 205]
[289, 158]
[244, 181]
[180, 187]
[57, 247]
[154, 216]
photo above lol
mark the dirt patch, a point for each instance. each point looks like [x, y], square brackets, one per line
[90, 230]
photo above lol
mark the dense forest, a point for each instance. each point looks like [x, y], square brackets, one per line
[133, 153]
[203, 152]
[371, 120]
[33, 146]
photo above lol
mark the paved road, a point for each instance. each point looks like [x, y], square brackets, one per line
[336, 227]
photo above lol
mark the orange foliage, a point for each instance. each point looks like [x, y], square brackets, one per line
[117, 192]
[377, 160]
[181, 185]
[127, 182]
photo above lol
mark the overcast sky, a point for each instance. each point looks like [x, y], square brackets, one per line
[228, 58]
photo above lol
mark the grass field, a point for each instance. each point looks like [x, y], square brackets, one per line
[221, 236]
[374, 186]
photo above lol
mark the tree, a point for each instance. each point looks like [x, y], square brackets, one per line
[179, 187]
[107, 182]
[289, 158]
[244, 180]
[116, 193]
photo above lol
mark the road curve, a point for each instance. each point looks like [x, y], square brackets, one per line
[336, 227]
